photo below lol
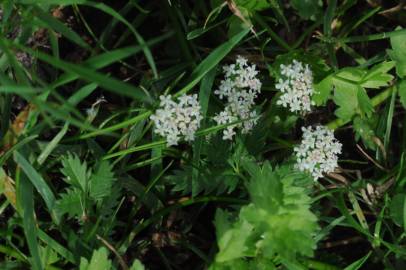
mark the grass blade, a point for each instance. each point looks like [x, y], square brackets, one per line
[25, 200]
[38, 182]
[212, 60]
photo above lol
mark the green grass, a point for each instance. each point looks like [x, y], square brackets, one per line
[86, 182]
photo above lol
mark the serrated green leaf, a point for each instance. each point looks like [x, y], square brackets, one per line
[99, 261]
[363, 130]
[277, 223]
[75, 172]
[101, 180]
[70, 203]
[365, 104]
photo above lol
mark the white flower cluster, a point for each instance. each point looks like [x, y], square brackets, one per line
[296, 86]
[318, 151]
[174, 120]
[240, 87]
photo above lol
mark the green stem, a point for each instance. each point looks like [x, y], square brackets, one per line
[372, 37]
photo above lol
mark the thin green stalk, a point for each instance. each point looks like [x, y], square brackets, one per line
[273, 35]
[372, 37]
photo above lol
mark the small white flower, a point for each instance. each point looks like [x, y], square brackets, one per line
[318, 151]
[174, 120]
[296, 86]
[240, 87]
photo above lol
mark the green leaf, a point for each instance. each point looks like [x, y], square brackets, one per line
[102, 180]
[323, 90]
[378, 76]
[212, 60]
[255, 5]
[277, 222]
[59, 27]
[38, 182]
[306, 8]
[402, 92]
[75, 172]
[99, 261]
[350, 96]
[52, 144]
[398, 53]
[231, 237]
[398, 209]
[346, 97]
[137, 265]
[362, 128]
[25, 197]
[70, 203]
[358, 263]
[365, 104]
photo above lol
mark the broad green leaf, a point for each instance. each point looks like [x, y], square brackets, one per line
[346, 98]
[137, 265]
[254, 5]
[231, 237]
[398, 53]
[351, 74]
[322, 91]
[306, 8]
[378, 76]
[101, 181]
[402, 92]
[398, 209]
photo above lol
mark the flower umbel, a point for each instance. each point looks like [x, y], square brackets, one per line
[296, 86]
[240, 87]
[318, 151]
[174, 120]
